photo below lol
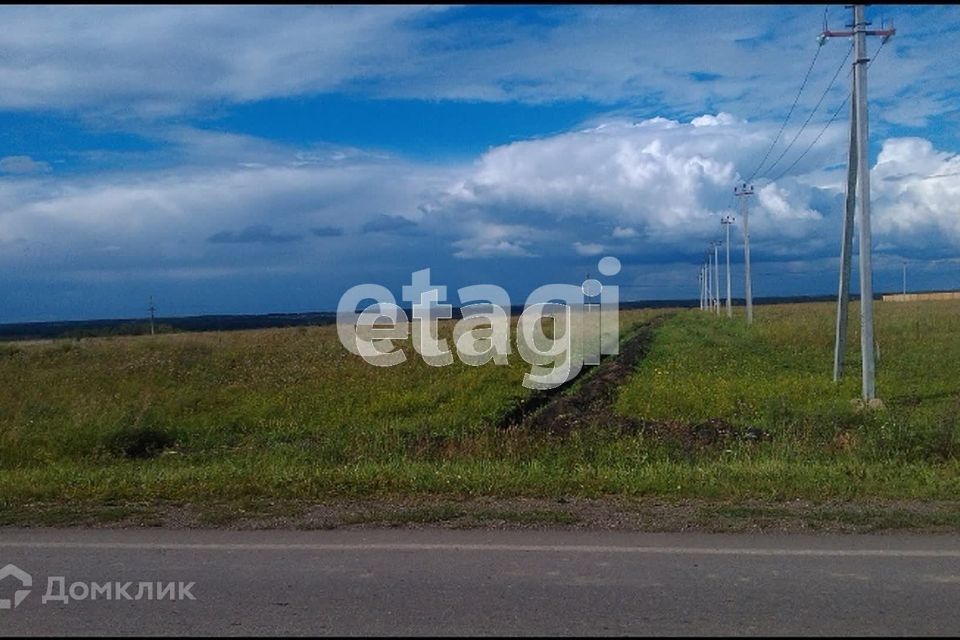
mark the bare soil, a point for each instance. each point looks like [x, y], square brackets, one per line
[609, 513]
[587, 400]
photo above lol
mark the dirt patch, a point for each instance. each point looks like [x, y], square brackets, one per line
[691, 438]
[607, 513]
[589, 398]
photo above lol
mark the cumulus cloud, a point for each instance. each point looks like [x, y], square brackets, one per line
[650, 174]
[916, 190]
[588, 248]
[649, 189]
[662, 186]
[650, 192]
[659, 183]
[492, 240]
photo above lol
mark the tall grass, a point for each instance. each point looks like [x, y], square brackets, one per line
[290, 414]
[777, 375]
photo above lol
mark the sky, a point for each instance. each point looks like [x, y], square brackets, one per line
[261, 159]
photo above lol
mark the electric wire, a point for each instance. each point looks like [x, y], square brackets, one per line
[809, 118]
[829, 122]
[789, 113]
[813, 112]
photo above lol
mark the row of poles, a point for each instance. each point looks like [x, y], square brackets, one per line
[857, 197]
[710, 271]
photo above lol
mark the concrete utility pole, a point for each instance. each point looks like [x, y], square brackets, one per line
[708, 274]
[726, 222]
[846, 249]
[703, 284]
[703, 278]
[700, 284]
[716, 275]
[859, 125]
[743, 192]
[152, 311]
[708, 260]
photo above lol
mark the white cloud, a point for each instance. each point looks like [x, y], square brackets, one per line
[470, 248]
[916, 190]
[781, 204]
[493, 240]
[708, 120]
[663, 185]
[159, 61]
[658, 180]
[588, 248]
[660, 185]
[165, 58]
[166, 216]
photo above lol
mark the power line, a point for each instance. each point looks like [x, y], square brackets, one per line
[789, 113]
[942, 175]
[829, 122]
[815, 140]
[810, 117]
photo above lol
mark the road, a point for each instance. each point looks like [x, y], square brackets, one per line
[430, 581]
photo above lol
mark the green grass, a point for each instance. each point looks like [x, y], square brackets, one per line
[777, 375]
[250, 391]
[289, 415]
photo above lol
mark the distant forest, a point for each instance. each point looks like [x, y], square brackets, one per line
[76, 329]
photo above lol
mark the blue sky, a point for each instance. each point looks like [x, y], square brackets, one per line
[265, 159]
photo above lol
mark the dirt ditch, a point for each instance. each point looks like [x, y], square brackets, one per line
[589, 399]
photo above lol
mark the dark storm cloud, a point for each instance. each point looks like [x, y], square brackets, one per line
[258, 233]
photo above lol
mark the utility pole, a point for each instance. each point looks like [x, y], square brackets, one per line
[743, 192]
[706, 281]
[709, 263]
[716, 276]
[726, 221]
[152, 311]
[706, 277]
[700, 284]
[904, 277]
[703, 281]
[846, 249]
[860, 125]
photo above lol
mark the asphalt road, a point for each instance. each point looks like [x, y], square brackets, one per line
[484, 582]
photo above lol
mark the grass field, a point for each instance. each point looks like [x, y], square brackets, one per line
[287, 416]
[777, 376]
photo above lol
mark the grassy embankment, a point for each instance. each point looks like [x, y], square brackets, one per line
[285, 417]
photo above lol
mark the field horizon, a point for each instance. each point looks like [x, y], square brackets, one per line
[140, 325]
